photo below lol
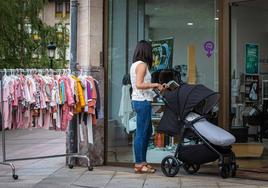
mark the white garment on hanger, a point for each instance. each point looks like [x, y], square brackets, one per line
[57, 117]
[125, 107]
[81, 133]
[89, 129]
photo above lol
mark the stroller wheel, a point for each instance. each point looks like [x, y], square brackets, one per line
[170, 166]
[233, 169]
[224, 171]
[233, 166]
[191, 168]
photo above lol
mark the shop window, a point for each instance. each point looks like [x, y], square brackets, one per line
[182, 38]
[249, 81]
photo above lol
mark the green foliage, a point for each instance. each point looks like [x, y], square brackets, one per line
[24, 37]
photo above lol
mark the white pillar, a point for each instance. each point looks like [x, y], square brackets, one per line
[90, 29]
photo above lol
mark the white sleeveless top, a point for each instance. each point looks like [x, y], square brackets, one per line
[140, 94]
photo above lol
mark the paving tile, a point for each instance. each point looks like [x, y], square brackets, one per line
[125, 183]
[66, 172]
[123, 175]
[163, 182]
[199, 186]
[126, 180]
[49, 185]
[23, 181]
[100, 171]
[198, 181]
[17, 185]
[196, 184]
[4, 170]
[94, 179]
[63, 177]
[236, 185]
[239, 186]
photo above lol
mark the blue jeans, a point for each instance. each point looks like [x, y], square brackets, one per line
[143, 110]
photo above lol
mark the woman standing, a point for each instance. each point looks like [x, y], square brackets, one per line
[142, 96]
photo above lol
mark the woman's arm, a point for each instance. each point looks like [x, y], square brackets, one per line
[141, 72]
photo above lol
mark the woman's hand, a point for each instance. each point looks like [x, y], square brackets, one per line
[159, 86]
[165, 86]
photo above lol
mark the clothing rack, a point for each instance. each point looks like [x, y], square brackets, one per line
[8, 162]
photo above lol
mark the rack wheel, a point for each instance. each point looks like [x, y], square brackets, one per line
[224, 171]
[90, 168]
[71, 166]
[170, 166]
[191, 168]
[15, 177]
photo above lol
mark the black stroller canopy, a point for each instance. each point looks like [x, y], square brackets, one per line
[182, 101]
[197, 98]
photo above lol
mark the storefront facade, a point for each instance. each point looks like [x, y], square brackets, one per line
[200, 41]
[191, 30]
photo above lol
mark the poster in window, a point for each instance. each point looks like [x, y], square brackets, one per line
[252, 58]
[162, 54]
[251, 88]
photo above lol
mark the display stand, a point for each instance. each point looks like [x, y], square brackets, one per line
[7, 162]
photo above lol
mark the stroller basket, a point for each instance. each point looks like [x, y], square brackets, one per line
[194, 154]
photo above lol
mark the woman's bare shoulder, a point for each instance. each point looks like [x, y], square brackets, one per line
[141, 67]
[141, 64]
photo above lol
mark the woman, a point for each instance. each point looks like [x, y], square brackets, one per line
[142, 95]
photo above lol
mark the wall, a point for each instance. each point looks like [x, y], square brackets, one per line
[89, 52]
[48, 14]
[96, 30]
[83, 37]
[89, 44]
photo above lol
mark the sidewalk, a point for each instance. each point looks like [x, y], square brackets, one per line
[44, 174]
[50, 173]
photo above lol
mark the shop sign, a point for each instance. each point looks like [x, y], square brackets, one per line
[252, 58]
[251, 88]
[209, 47]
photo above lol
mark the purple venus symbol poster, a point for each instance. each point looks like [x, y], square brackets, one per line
[209, 47]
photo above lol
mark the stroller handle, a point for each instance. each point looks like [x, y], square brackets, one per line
[157, 92]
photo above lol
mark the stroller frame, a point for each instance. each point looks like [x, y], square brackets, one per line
[170, 165]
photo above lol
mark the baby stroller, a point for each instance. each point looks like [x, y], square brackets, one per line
[199, 140]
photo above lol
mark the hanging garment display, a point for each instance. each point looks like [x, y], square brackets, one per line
[48, 100]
